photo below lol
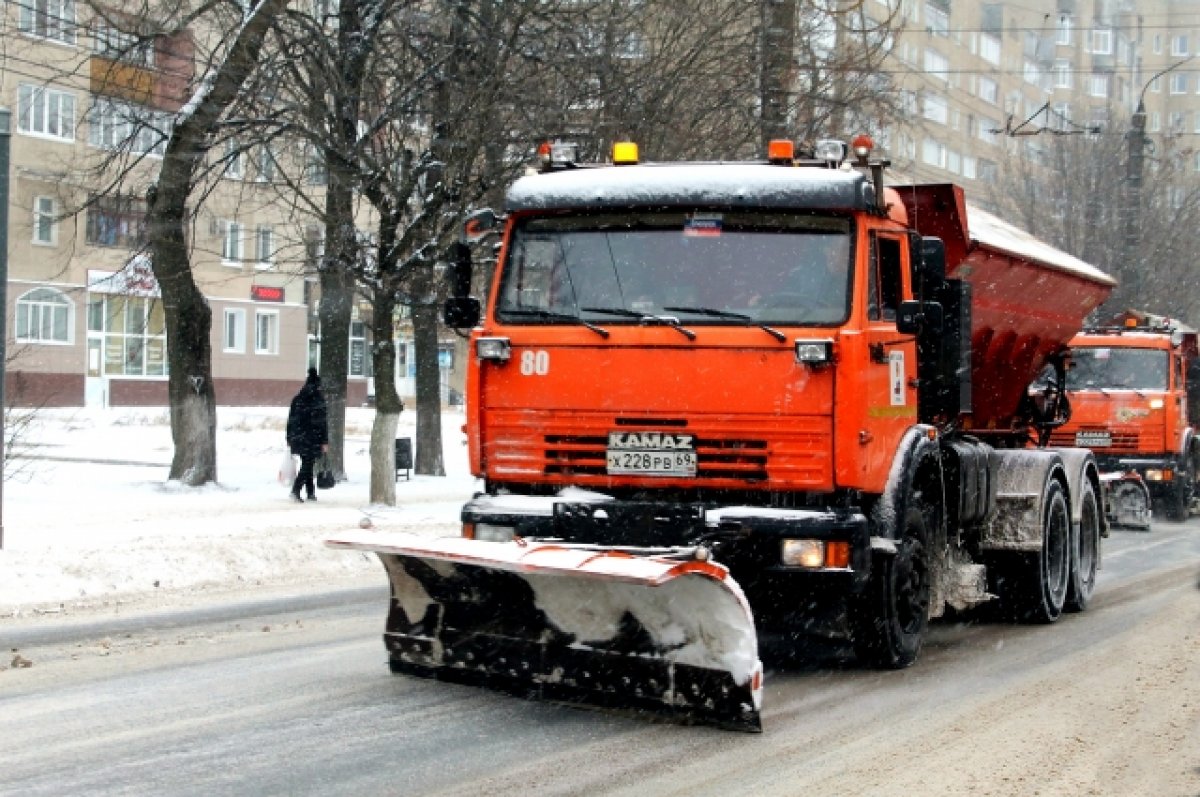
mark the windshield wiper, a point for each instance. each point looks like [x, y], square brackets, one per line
[714, 313]
[645, 318]
[550, 315]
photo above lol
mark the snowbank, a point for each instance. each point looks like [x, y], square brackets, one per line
[90, 520]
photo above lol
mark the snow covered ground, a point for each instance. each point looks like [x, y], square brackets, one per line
[91, 522]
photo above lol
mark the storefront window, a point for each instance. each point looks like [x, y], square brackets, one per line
[134, 332]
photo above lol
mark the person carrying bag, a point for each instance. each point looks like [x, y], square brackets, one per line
[307, 433]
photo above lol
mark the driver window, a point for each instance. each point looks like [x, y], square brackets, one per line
[883, 289]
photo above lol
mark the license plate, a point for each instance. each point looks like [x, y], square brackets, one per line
[1093, 439]
[652, 463]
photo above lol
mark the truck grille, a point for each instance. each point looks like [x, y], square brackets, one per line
[568, 455]
[790, 452]
[1123, 441]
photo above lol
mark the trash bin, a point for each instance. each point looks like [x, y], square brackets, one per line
[403, 457]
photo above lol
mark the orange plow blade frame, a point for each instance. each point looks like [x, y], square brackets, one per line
[666, 634]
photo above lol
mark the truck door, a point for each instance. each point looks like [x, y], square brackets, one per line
[892, 368]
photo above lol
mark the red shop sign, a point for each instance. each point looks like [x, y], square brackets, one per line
[264, 293]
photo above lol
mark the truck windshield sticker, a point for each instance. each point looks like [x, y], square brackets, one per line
[896, 373]
[703, 225]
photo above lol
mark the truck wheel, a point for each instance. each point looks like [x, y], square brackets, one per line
[1033, 587]
[1085, 552]
[1180, 499]
[888, 620]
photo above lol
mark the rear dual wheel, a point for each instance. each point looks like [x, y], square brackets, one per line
[1085, 551]
[1033, 586]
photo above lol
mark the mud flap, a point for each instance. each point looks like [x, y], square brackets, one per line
[572, 623]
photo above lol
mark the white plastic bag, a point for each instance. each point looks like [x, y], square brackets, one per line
[287, 469]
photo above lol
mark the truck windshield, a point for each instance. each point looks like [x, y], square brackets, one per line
[771, 268]
[1102, 368]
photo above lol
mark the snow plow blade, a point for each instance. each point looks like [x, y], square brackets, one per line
[669, 635]
[1128, 502]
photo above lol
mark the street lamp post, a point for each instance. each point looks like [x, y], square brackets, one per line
[1132, 263]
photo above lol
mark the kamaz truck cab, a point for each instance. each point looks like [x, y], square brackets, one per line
[1133, 392]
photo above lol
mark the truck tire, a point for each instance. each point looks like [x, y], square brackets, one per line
[1179, 500]
[888, 620]
[1033, 586]
[1085, 552]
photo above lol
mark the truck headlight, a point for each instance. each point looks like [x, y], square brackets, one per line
[814, 352]
[498, 349]
[815, 554]
[490, 532]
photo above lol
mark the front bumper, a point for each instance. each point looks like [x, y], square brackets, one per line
[746, 539]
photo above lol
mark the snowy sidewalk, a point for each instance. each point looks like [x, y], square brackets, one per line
[90, 521]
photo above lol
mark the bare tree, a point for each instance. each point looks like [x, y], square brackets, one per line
[188, 315]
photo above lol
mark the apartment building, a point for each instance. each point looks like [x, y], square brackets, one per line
[980, 80]
[85, 321]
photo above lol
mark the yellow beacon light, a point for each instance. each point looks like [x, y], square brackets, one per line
[624, 153]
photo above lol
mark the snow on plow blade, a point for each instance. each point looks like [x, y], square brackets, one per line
[604, 628]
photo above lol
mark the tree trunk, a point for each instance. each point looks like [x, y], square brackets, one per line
[337, 301]
[188, 326]
[428, 460]
[187, 314]
[388, 405]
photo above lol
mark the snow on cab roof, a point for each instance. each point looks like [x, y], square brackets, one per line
[692, 185]
[994, 233]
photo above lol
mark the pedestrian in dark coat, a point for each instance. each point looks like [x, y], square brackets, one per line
[307, 433]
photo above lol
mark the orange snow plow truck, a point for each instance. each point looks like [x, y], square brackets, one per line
[1133, 387]
[713, 401]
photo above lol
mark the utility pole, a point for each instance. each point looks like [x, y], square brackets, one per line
[1131, 256]
[5, 143]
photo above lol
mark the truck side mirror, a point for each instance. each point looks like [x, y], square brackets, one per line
[458, 256]
[461, 312]
[479, 224]
[914, 318]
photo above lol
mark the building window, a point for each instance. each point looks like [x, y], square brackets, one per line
[231, 242]
[1155, 122]
[1102, 43]
[265, 164]
[116, 221]
[1063, 77]
[1063, 34]
[1033, 74]
[937, 21]
[1158, 44]
[235, 166]
[46, 112]
[134, 331]
[358, 349]
[936, 65]
[1177, 121]
[266, 332]
[50, 19]
[119, 125]
[314, 166]
[987, 130]
[44, 316]
[1179, 45]
[264, 244]
[935, 108]
[988, 90]
[934, 153]
[1179, 82]
[45, 220]
[117, 45]
[989, 49]
[968, 167]
[235, 331]
[1098, 86]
